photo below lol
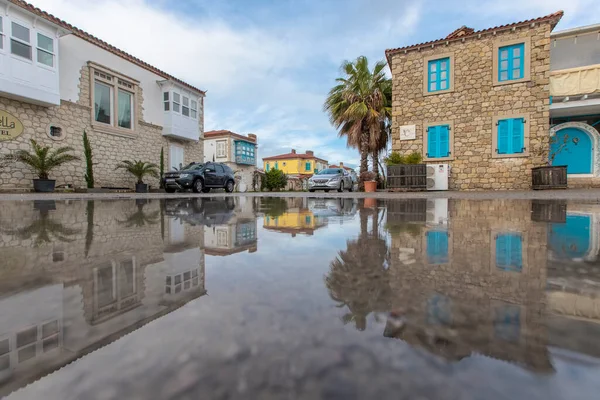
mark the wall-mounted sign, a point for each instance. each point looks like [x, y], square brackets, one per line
[408, 132]
[10, 126]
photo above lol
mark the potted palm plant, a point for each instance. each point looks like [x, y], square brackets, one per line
[41, 161]
[139, 169]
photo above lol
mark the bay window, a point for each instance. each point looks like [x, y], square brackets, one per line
[114, 101]
[20, 41]
[180, 102]
[194, 109]
[176, 102]
[45, 50]
[166, 100]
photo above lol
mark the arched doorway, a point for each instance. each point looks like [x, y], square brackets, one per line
[571, 240]
[576, 152]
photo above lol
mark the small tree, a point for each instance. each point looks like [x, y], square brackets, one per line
[162, 166]
[546, 151]
[43, 160]
[396, 158]
[275, 179]
[89, 165]
[139, 169]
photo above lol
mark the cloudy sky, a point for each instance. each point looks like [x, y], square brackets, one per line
[267, 65]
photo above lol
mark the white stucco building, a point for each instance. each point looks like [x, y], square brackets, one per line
[57, 80]
[237, 151]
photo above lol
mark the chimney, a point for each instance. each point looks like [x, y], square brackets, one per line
[310, 152]
[341, 164]
[252, 136]
[293, 151]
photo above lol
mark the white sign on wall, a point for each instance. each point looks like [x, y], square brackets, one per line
[408, 132]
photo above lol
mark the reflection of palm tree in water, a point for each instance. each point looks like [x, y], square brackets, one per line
[357, 277]
[140, 218]
[44, 230]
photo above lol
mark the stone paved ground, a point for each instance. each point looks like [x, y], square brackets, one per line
[571, 194]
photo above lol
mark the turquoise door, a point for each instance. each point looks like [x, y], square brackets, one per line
[576, 154]
[572, 239]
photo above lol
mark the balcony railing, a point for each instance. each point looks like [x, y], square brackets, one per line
[575, 81]
[249, 160]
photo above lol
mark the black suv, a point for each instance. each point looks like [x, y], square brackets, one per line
[200, 178]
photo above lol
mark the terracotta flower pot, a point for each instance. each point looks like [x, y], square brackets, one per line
[370, 186]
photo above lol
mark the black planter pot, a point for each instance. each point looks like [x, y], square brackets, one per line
[44, 185]
[141, 188]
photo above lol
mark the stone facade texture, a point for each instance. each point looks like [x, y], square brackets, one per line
[108, 149]
[473, 104]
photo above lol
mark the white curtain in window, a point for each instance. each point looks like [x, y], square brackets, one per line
[124, 109]
[102, 103]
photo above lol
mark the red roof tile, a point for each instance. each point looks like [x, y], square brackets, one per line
[302, 156]
[100, 43]
[553, 18]
[223, 133]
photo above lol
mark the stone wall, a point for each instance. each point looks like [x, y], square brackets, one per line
[108, 149]
[472, 106]
[475, 288]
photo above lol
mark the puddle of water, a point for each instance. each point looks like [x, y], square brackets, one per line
[300, 298]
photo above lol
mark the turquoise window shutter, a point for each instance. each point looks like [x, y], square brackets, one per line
[438, 74]
[511, 62]
[268, 167]
[432, 142]
[444, 141]
[437, 247]
[517, 140]
[509, 252]
[307, 166]
[503, 136]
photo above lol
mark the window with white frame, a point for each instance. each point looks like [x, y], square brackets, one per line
[185, 108]
[1, 34]
[221, 148]
[176, 102]
[194, 112]
[114, 100]
[166, 100]
[20, 41]
[45, 50]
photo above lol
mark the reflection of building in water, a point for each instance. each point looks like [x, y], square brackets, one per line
[471, 279]
[294, 221]
[114, 273]
[235, 235]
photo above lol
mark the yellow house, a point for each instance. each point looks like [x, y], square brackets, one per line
[295, 221]
[295, 164]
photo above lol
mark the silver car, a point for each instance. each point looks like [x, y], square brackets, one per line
[331, 179]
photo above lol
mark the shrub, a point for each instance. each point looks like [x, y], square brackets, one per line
[43, 160]
[162, 166]
[398, 159]
[89, 166]
[275, 179]
[367, 176]
[139, 169]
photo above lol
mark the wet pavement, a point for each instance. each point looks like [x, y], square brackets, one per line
[300, 298]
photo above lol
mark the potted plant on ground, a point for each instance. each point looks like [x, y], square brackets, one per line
[41, 161]
[406, 172]
[368, 179]
[139, 169]
[550, 176]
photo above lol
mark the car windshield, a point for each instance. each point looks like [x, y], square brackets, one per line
[330, 171]
[192, 166]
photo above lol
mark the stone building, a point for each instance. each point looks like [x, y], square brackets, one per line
[480, 101]
[57, 81]
[238, 152]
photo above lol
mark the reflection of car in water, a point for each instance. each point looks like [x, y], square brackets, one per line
[204, 211]
[332, 207]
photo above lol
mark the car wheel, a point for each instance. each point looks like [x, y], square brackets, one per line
[205, 190]
[341, 189]
[198, 185]
[229, 187]
[351, 188]
[170, 190]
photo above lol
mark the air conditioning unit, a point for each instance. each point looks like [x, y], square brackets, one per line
[437, 176]
[437, 211]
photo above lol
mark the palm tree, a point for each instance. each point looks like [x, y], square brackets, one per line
[358, 279]
[359, 104]
[42, 160]
[139, 169]
[139, 219]
[44, 230]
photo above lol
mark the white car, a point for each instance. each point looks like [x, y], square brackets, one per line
[331, 179]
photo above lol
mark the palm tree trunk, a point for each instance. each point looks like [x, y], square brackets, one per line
[375, 156]
[364, 158]
[375, 225]
[364, 220]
